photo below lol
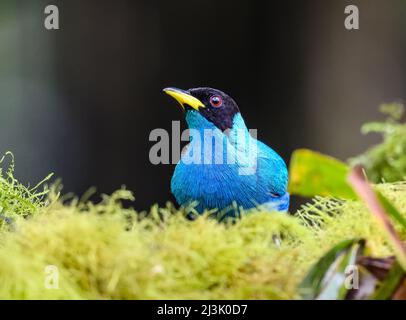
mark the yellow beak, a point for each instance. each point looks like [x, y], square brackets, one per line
[184, 98]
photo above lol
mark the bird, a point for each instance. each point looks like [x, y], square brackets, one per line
[223, 166]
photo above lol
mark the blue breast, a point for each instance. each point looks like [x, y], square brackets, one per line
[218, 170]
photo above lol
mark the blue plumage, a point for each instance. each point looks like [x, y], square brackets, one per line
[221, 166]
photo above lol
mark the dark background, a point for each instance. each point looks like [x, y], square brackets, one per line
[81, 101]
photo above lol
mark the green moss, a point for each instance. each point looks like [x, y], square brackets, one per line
[103, 251]
[333, 220]
[17, 200]
[101, 255]
[386, 161]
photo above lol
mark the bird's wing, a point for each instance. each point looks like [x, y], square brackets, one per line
[272, 173]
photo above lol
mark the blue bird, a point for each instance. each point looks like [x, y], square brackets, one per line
[224, 165]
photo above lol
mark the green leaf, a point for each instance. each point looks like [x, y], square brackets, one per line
[327, 278]
[391, 210]
[388, 287]
[380, 208]
[312, 173]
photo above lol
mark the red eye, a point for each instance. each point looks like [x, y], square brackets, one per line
[216, 101]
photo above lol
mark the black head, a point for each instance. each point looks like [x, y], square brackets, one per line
[219, 107]
[213, 104]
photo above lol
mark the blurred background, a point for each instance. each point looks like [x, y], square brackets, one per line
[81, 101]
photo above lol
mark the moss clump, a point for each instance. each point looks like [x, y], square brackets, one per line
[332, 220]
[386, 161]
[100, 253]
[17, 200]
[104, 251]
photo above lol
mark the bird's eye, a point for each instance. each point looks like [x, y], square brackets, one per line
[216, 101]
